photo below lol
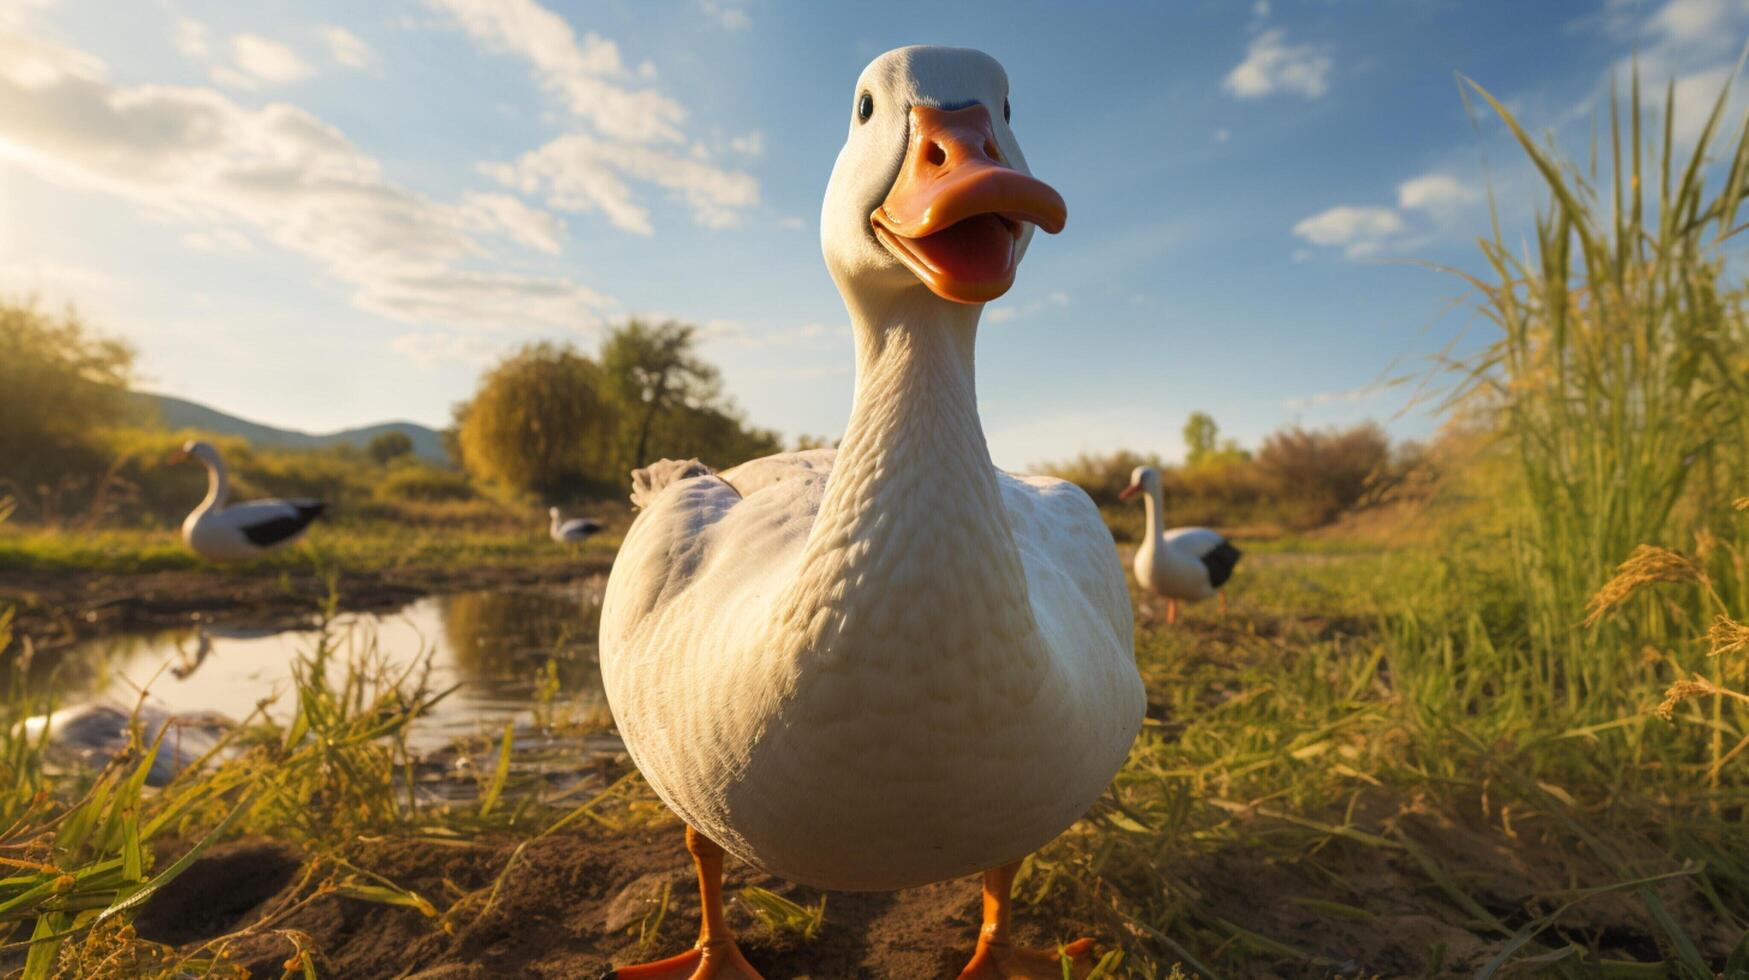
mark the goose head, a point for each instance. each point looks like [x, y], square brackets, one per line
[1141, 478]
[930, 193]
[553, 512]
[197, 449]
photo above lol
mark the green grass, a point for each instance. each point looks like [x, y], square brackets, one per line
[353, 547]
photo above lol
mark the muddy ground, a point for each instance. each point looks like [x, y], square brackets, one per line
[573, 906]
[58, 608]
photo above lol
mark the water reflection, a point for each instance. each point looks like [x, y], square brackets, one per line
[522, 658]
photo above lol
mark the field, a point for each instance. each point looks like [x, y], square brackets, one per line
[1321, 789]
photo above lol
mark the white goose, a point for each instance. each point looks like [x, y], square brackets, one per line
[232, 533]
[891, 663]
[1187, 564]
[574, 531]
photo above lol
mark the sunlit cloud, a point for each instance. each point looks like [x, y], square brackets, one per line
[267, 60]
[345, 47]
[594, 172]
[585, 75]
[578, 172]
[729, 14]
[1005, 312]
[193, 156]
[1273, 65]
[190, 38]
[1358, 231]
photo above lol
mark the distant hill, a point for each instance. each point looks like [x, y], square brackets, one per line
[178, 413]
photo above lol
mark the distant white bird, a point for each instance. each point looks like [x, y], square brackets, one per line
[574, 531]
[1186, 564]
[233, 533]
[94, 733]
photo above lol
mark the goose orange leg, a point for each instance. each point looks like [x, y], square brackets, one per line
[995, 959]
[715, 957]
[1171, 612]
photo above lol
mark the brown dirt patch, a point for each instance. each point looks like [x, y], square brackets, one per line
[570, 908]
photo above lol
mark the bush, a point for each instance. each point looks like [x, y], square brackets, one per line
[425, 484]
[1323, 473]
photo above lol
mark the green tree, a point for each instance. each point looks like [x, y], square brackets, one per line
[655, 377]
[389, 445]
[540, 422]
[1200, 437]
[59, 381]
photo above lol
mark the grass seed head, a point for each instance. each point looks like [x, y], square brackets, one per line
[1681, 691]
[1726, 636]
[1648, 564]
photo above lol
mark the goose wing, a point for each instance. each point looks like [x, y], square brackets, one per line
[269, 522]
[1217, 554]
[579, 527]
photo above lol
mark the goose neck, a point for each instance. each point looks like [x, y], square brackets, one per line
[913, 495]
[218, 485]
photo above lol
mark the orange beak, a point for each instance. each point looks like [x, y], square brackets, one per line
[953, 215]
[179, 456]
[1129, 491]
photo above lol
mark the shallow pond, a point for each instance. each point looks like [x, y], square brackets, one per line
[523, 658]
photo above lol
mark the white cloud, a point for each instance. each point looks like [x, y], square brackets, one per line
[268, 60]
[502, 214]
[577, 172]
[1364, 393]
[579, 74]
[1223, 134]
[751, 144]
[1693, 43]
[191, 38]
[731, 333]
[32, 278]
[594, 171]
[232, 78]
[1272, 65]
[1358, 231]
[345, 47]
[217, 239]
[431, 349]
[1005, 312]
[30, 63]
[730, 14]
[194, 156]
[1435, 192]
[1686, 21]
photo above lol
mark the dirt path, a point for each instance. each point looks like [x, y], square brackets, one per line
[571, 907]
[55, 609]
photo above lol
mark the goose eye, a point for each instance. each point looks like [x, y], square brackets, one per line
[1006, 114]
[865, 107]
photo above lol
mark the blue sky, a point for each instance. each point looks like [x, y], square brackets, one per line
[325, 214]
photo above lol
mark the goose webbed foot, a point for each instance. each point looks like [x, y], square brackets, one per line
[1000, 961]
[721, 960]
[716, 957]
[996, 959]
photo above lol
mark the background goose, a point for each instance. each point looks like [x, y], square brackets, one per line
[1187, 564]
[95, 733]
[574, 531]
[891, 663]
[231, 533]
